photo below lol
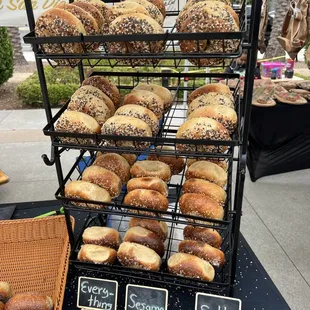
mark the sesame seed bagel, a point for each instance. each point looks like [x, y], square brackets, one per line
[104, 178]
[90, 25]
[142, 113]
[106, 87]
[219, 162]
[153, 183]
[150, 168]
[207, 16]
[126, 7]
[91, 90]
[161, 6]
[160, 91]
[223, 114]
[120, 125]
[146, 99]
[200, 205]
[153, 10]
[115, 163]
[47, 26]
[200, 186]
[77, 122]
[202, 128]
[209, 99]
[92, 10]
[218, 88]
[90, 105]
[207, 171]
[87, 191]
[135, 23]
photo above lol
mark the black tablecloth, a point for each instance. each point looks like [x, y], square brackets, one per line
[279, 140]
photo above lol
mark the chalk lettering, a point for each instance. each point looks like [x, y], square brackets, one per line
[95, 302]
[141, 306]
[204, 307]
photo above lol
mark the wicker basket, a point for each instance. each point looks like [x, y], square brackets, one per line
[34, 256]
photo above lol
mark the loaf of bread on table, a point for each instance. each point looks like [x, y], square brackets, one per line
[138, 256]
[6, 291]
[160, 91]
[176, 163]
[104, 236]
[190, 266]
[153, 183]
[160, 228]
[207, 171]
[146, 199]
[87, 191]
[97, 254]
[204, 251]
[29, 301]
[115, 163]
[202, 206]
[150, 168]
[204, 234]
[200, 186]
[145, 237]
[120, 125]
[104, 178]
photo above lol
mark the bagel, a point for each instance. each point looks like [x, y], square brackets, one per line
[153, 183]
[218, 88]
[126, 7]
[222, 163]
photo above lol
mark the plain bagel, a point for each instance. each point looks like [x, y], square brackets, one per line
[210, 88]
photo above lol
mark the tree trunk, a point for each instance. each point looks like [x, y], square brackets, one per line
[14, 35]
[274, 49]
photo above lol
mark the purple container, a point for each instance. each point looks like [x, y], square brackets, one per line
[268, 66]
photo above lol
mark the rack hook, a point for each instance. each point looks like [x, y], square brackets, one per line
[47, 161]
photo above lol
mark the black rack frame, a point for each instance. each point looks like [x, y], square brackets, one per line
[170, 51]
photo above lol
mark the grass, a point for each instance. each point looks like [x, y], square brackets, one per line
[302, 76]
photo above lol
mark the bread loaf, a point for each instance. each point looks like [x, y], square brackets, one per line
[120, 125]
[91, 90]
[207, 188]
[126, 7]
[147, 199]
[104, 236]
[190, 266]
[160, 228]
[204, 251]
[77, 122]
[150, 168]
[204, 234]
[153, 183]
[97, 254]
[176, 163]
[160, 91]
[87, 191]
[105, 86]
[29, 301]
[152, 9]
[47, 25]
[135, 23]
[115, 163]
[90, 105]
[5, 291]
[141, 113]
[202, 206]
[202, 128]
[104, 178]
[217, 88]
[207, 171]
[209, 99]
[146, 99]
[138, 256]
[145, 237]
[218, 161]
[223, 114]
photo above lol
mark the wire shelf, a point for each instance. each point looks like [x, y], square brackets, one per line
[177, 83]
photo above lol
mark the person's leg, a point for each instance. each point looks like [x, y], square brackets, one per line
[3, 178]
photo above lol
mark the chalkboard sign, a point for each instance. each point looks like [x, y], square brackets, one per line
[214, 302]
[145, 297]
[97, 294]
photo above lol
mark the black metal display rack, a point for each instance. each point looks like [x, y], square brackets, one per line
[179, 81]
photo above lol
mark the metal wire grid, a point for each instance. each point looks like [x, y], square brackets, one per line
[168, 128]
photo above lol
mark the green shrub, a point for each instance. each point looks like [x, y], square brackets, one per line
[61, 84]
[6, 56]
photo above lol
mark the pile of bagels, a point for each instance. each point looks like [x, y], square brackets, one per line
[92, 17]
[96, 108]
